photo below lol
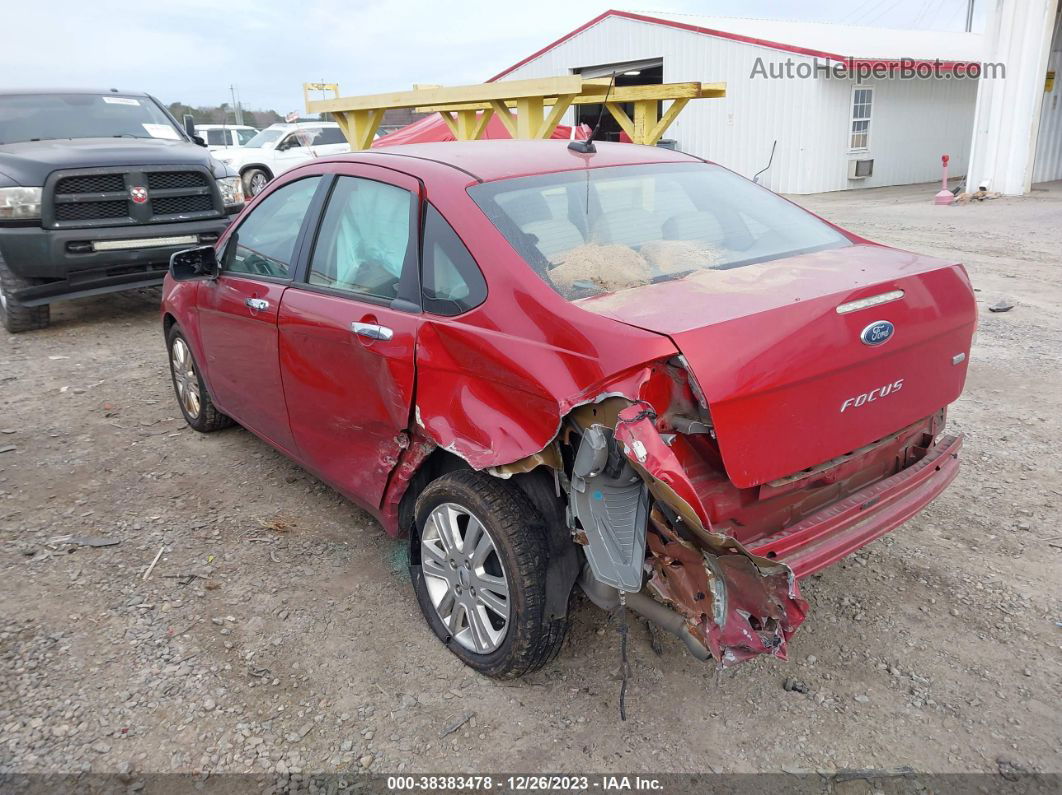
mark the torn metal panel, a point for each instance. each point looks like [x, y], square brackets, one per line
[494, 399]
[417, 448]
[736, 603]
[549, 457]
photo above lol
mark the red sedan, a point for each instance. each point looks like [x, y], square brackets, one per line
[628, 369]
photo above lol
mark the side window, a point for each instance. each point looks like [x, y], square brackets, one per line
[364, 241]
[452, 282]
[265, 240]
[292, 141]
[329, 135]
[243, 136]
[217, 137]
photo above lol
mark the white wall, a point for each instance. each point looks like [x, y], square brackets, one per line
[1009, 111]
[914, 121]
[1047, 166]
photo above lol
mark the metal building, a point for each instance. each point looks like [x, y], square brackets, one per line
[795, 88]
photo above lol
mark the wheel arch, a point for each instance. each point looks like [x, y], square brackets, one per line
[539, 487]
[260, 166]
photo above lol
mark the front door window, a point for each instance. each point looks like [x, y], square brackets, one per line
[264, 244]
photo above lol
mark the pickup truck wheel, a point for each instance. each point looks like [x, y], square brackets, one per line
[478, 567]
[254, 181]
[17, 317]
[192, 396]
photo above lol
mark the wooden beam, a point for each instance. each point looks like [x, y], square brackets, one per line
[549, 124]
[308, 87]
[360, 126]
[529, 117]
[621, 94]
[454, 95]
[451, 122]
[471, 124]
[501, 110]
[621, 117]
[665, 121]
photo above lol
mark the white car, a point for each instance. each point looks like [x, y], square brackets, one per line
[280, 147]
[219, 136]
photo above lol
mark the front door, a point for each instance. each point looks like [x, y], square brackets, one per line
[293, 150]
[238, 312]
[347, 333]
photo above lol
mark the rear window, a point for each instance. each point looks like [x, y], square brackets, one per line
[44, 117]
[597, 231]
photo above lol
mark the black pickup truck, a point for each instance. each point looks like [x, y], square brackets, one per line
[97, 189]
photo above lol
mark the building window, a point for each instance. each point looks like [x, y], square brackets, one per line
[859, 135]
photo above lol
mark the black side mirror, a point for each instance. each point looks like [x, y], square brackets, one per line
[194, 263]
[189, 125]
[199, 140]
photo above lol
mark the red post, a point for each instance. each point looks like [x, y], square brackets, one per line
[944, 196]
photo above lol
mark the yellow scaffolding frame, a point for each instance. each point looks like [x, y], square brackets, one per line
[539, 105]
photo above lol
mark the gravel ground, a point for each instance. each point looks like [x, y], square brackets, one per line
[278, 632]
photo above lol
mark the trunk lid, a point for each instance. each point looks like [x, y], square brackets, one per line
[789, 380]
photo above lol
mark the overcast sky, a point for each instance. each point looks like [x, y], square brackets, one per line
[192, 50]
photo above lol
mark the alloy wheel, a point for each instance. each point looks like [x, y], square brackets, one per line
[185, 377]
[258, 182]
[465, 578]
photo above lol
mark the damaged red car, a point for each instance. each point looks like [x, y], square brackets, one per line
[628, 369]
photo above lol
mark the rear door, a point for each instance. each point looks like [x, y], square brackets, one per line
[348, 328]
[238, 310]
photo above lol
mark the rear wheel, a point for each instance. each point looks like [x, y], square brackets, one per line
[479, 572]
[254, 181]
[192, 396]
[17, 317]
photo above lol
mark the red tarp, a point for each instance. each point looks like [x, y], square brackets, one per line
[432, 128]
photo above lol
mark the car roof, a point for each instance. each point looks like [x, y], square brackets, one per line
[299, 125]
[101, 91]
[500, 159]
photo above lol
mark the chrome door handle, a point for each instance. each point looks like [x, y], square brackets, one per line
[257, 304]
[371, 331]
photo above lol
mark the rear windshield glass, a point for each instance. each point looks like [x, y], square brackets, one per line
[600, 230]
[43, 117]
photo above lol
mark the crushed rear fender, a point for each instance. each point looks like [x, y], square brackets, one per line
[736, 603]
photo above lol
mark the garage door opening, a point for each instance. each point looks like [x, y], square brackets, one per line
[629, 73]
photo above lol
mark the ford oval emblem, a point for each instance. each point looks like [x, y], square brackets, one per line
[877, 333]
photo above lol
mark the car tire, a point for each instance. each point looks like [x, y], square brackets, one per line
[518, 555]
[14, 316]
[254, 181]
[192, 396]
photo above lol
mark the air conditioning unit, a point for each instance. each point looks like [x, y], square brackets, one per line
[860, 169]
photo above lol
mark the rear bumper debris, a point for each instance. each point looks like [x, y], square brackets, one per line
[840, 529]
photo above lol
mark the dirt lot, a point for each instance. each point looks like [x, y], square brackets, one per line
[278, 631]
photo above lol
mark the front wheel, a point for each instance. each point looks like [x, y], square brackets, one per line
[478, 566]
[15, 316]
[254, 181]
[192, 396]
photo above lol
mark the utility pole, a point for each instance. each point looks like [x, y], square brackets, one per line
[236, 104]
[969, 15]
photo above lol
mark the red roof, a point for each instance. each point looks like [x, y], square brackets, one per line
[501, 159]
[833, 56]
